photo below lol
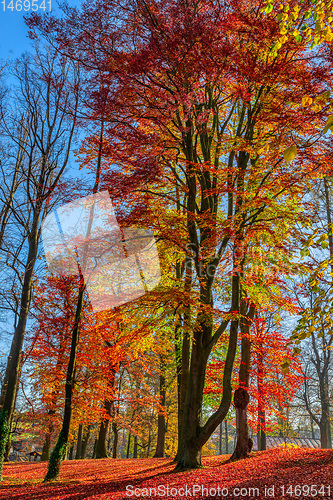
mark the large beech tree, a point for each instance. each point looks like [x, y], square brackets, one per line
[199, 104]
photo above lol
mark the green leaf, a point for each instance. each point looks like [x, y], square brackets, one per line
[324, 244]
[299, 38]
[269, 8]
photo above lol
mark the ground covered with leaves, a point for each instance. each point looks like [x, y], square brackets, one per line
[279, 474]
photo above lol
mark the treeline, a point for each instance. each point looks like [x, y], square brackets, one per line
[209, 124]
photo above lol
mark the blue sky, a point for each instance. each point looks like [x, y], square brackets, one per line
[13, 30]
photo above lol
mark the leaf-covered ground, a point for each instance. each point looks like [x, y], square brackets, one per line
[293, 473]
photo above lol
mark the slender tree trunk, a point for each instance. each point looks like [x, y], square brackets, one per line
[226, 437]
[59, 451]
[220, 438]
[11, 379]
[78, 454]
[161, 417]
[325, 421]
[261, 434]
[70, 453]
[128, 445]
[182, 347]
[312, 429]
[135, 447]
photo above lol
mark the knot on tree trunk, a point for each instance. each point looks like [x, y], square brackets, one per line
[241, 398]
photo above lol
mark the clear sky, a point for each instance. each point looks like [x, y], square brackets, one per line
[13, 30]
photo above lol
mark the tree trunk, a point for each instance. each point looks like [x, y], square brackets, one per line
[101, 446]
[70, 453]
[161, 417]
[193, 436]
[78, 454]
[135, 447]
[261, 435]
[101, 451]
[46, 447]
[86, 434]
[59, 451]
[241, 399]
[182, 347]
[325, 421]
[128, 445]
[11, 379]
[94, 450]
[115, 439]
[226, 437]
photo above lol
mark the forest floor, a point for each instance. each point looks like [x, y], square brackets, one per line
[279, 474]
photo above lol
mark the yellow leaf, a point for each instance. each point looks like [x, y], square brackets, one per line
[318, 27]
[290, 153]
[329, 124]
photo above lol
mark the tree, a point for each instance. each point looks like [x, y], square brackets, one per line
[215, 117]
[50, 106]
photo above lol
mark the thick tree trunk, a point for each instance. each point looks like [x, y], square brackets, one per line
[78, 454]
[161, 417]
[59, 452]
[243, 447]
[241, 399]
[101, 451]
[46, 447]
[189, 452]
[261, 435]
[193, 435]
[8, 444]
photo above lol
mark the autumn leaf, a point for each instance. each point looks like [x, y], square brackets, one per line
[329, 124]
[290, 153]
